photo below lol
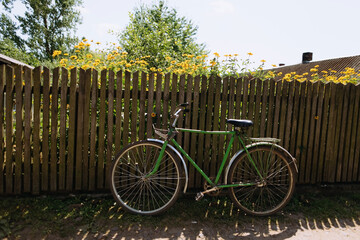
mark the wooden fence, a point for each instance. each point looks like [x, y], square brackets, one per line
[60, 129]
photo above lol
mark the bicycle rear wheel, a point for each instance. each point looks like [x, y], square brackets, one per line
[265, 196]
[139, 193]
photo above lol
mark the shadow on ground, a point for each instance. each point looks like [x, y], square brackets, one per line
[89, 217]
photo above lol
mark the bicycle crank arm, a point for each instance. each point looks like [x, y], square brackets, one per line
[200, 195]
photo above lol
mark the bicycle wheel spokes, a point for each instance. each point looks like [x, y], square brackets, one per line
[268, 192]
[138, 192]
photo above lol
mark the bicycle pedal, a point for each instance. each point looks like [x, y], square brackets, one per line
[199, 196]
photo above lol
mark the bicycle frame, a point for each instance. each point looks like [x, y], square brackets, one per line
[233, 134]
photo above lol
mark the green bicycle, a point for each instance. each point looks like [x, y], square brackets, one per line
[146, 177]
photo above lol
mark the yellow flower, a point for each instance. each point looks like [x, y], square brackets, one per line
[262, 60]
[84, 40]
[73, 57]
[250, 54]
[89, 55]
[98, 43]
[273, 65]
[216, 54]
[56, 53]
[313, 70]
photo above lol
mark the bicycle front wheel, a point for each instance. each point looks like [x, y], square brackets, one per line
[268, 187]
[139, 193]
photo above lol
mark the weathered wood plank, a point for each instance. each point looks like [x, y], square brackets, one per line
[9, 130]
[118, 121]
[150, 106]
[194, 143]
[93, 131]
[126, 124]
[101, 135]
[72, 130]
[355, 139]
[142, 110]
[2, 108]
[318, 128]
[209, 123]
[86, 133]
[27, 129]
[54, 130]
[80, 132]
[110, 125]
[19, 149]
[134, 106]
[166, 102]
[215, 120]
[63, 121]
[158, 100]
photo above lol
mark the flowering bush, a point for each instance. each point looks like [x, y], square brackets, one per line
[112, 57]
[349, 75]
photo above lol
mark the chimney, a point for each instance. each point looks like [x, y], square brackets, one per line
[307, 57]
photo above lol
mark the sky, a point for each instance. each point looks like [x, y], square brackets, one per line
[277, 31]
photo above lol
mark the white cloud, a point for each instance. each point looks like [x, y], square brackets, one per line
[222, 7]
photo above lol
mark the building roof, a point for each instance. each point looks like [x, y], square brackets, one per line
[8, 60]
[337, 64]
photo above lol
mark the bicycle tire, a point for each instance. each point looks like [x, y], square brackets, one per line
[269, 195]
[134, 190]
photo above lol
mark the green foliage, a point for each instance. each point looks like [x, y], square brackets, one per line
[8, 48]
[158, 32]
[47, 25]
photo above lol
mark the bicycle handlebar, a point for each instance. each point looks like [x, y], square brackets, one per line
[178, 110]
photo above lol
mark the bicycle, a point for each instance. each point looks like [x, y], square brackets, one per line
[146, 177]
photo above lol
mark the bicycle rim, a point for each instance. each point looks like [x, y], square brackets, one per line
[267, 195]
[134, 189]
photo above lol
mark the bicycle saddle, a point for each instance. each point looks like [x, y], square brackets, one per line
[240, 123]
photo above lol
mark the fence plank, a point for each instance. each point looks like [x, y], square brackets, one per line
[187, 137]
[324, 140]
[150, 106]
[72, 127]
[2, 117]
[19, 149]
[101, 136]
[215, 120]
[318, 128]
[126, 126]
[63, 120]
[277, 108]
[174, 91]
[86, 122]
[350, 89]
[180, 122]
[93, 130]
[209, 112]
[110, 125]
[223, 112]
[158, 100]
[341, 161]
[355, 139]
[27, 129]
[257, 108]
[142, 106]
[299, 140]
[309, 128]
[80, 132]
[194, 151]
[283, 111]
[245, 100]
[2, 107]
[338, 126]
[46, 125]
[289, 113]
[9, 129]
[134, 106]
[264, 106]
[356, 172]
[201, 120]
[271, 109]
[118, 121]
[54, 129]
[251, 105]
[166, 99]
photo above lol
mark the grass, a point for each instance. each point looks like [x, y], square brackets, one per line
[66, 216]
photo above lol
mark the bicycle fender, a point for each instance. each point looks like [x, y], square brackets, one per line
[286, 152]
[180, 157]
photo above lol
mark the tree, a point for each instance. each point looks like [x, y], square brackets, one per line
[158, 32]
[47, 25]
